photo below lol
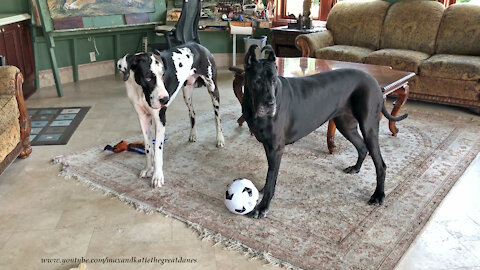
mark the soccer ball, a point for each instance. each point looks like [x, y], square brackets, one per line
[241, 196]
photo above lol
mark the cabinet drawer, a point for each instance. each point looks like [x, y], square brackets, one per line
[285, 38]
[16, 46]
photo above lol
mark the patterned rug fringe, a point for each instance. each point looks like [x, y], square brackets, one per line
[203, 233]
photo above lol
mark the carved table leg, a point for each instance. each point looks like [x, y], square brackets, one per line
[24, 118]
[331, 137]
[238, 82]
[397, 105]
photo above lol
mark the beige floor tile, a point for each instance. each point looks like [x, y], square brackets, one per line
[449, 239]
[24, 250]
[148, 240]
[181, 232]
[96, 211]
[474, 248]
[434, 246]
[37, 221]
[5, 234]
[34, 199]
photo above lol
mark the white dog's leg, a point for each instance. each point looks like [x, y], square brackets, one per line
[188, 96]
[214, 94]
[145, 119]
[160, 120]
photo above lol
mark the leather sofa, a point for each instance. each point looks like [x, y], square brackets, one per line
[14, 119]
[441, 45]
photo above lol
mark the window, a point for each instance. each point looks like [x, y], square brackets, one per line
[319, 11]
[295, 8]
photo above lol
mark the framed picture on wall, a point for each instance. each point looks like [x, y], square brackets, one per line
[36, 16]
[83, 8]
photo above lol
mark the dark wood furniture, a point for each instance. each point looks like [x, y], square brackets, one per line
[283, 40]
[391, 81]
[16, 46]
[23, 148]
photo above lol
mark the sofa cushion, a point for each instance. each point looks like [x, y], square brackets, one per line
[9, 125]
[448, 66]
[343, 53]
[412, 25]
[8, 111]
[398, 59]
[357, 23]
[7, 79]
[459, 31]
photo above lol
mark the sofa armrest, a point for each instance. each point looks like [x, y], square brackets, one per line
[308, 43]
[8, 76]
[11, 81]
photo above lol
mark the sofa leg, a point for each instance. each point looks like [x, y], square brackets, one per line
[24, 118]
[27, 148]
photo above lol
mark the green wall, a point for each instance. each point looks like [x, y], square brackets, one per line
[222, 42]
[14, 6]
[215, 41]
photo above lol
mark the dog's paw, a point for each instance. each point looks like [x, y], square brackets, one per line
[220, 141]
[158, 180]
[376, 199]
[146, 173]
[193, 136]
[258, 213]
[351, 170]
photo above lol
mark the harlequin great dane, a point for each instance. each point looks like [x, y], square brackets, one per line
[153, 80]
[280, 111]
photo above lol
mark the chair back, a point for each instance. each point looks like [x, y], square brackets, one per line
[186, 28]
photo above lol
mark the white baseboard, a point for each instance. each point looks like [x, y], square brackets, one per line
[105, 68]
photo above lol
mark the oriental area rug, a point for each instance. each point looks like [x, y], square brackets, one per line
[319, 218]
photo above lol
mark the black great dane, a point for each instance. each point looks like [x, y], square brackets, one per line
[280, 111]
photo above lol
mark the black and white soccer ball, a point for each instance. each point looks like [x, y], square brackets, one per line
[241, 196]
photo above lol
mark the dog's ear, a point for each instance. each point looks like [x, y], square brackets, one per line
[162, 58]
[129, 61]
[271, 55]
[250, 56]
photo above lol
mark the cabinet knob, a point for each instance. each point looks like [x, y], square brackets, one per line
[18, 25]
[3, 30]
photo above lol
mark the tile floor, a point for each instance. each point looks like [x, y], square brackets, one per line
[43, 215]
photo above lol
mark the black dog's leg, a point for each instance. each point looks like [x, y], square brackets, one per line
[371, 139]
[274, 156]
[347, 125]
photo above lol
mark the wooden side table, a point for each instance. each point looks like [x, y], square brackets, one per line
[283, 40]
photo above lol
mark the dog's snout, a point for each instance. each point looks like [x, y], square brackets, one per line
[270, 102]
[164, 100]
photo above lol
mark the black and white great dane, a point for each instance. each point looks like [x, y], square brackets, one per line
[280, 111]
[153, 80]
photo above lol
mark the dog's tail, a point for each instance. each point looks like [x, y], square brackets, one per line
[390, 117]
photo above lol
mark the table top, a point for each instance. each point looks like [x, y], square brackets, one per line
[388, 78]
[301, 31]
